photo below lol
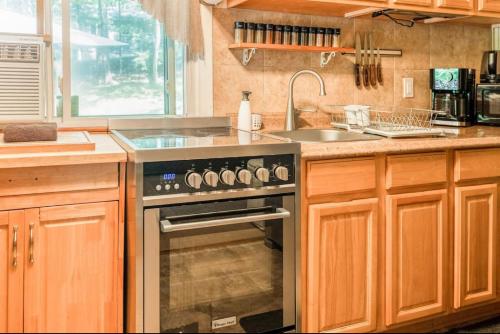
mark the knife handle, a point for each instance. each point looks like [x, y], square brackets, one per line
[357, 74]
[373, 75]
[366, 75]
[380, 78]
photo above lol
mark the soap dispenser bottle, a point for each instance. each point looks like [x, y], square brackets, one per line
[245, 113]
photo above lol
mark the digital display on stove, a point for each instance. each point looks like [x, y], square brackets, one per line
[169, 177]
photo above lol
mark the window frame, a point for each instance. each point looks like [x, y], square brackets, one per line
[198, 95]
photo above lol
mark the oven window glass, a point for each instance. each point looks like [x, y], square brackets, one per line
[225, 278]
[491, 102]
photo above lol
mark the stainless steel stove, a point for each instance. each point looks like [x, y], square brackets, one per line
[211, 230]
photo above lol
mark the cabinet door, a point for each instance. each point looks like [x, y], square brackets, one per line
[420, 3]
[342, 267]
[489, 5]
[11, 274]
[71, 277]
[416, 226]
[475, 244]
[456, 4]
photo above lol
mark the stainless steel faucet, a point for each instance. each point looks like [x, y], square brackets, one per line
[290, 110]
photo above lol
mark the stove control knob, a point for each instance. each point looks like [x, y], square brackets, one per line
[262, 174]
[228, 177]
[211, 178]
[281, 173]
[158, 187]
[244, 176]
[194, 180]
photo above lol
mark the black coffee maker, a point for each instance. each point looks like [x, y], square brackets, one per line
[453, 93]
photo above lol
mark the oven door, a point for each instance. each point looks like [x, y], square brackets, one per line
[225, 266]
[488, 104]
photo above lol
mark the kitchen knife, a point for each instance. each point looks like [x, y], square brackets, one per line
[379, 68]
[366, 66]
[357, 65]
[373, 68]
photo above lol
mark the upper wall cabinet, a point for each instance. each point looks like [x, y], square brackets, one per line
[456, 4]
[475, 11]
[424, 3]
[489, 5]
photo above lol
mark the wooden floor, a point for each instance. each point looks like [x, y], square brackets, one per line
[490, 326]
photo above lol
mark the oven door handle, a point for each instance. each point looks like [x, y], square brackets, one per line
[166, 226]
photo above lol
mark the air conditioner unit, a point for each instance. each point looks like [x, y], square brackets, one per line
[23, 87]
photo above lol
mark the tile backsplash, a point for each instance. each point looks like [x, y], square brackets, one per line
[424, 47]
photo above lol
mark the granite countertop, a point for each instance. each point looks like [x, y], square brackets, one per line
[106, 151]
[457, 138]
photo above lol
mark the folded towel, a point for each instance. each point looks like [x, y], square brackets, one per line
[30, 132]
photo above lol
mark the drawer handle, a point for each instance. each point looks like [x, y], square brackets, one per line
[14, 246]
[32, 244]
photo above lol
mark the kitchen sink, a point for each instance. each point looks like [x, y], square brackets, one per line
[323, 135]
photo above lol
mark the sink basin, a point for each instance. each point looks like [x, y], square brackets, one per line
[323, 135]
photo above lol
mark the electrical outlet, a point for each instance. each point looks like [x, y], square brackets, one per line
[407, 88]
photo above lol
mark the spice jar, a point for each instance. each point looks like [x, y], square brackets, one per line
[269, 33]
[259, 33]
[312, 37]
[250, 32]
[278, 34]
[329, 32]
[239, 32]
[287, 35]
[336, 38]
[320, 36]
[304, 32]
[295, 35]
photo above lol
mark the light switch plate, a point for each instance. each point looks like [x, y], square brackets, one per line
[407, 88]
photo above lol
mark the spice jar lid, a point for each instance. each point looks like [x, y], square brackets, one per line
[270, 27]
[321, 30]
[304, 29]
[312, 30]
[329, 31]
[239, 25]
[278, 27]
[337, 31]
[287, 28]
[261, 26]
[250, 25]
[296, 29]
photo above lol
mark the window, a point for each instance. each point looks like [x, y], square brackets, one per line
[18, 16]
[121, 63]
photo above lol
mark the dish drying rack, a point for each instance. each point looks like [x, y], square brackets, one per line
[391, 122]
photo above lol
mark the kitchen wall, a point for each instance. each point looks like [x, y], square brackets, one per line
[424, 47]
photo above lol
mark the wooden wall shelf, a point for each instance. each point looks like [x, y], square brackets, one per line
[327, 53]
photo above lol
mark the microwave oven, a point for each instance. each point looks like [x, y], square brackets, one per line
[488, 104]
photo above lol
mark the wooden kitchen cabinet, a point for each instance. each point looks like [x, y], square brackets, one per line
[420, 3]
[71, 268]
[488, 6]
[342, 266]
[456, 4]
[416, 239]
[11, 275]
[476, 218]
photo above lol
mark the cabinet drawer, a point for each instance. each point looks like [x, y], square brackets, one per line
[415, 169]
[53, 179]
[340, 176]
[477, 164]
